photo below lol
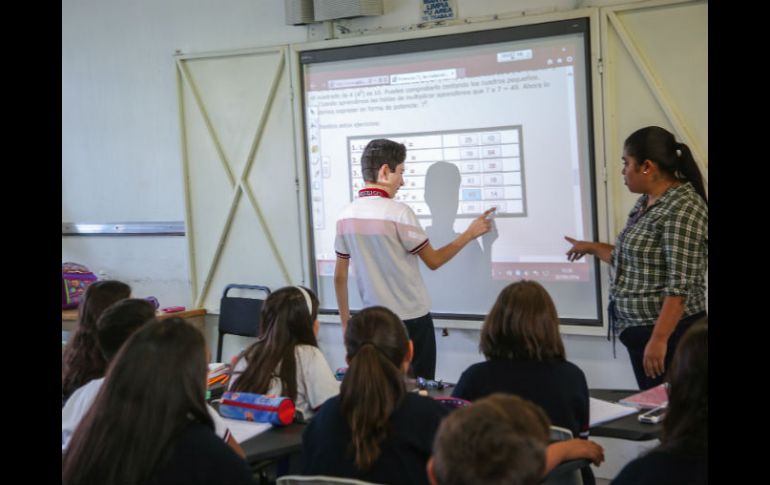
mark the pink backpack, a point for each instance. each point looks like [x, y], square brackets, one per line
[75, 278]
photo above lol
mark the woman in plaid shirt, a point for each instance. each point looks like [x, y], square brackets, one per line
[659, 260]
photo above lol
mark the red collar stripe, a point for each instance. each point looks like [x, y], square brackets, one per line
[373, 192]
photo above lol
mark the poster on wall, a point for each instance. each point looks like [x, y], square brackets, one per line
[436, 10]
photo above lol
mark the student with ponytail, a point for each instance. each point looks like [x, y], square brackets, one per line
[374, 430]
[660, 258]
[285, 360]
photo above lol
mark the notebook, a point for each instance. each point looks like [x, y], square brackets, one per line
[603, 411]
[651, 398]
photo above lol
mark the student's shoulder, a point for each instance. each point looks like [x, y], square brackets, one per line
[329, 409]
[83, 396]
[308, 351]
[327, 419]
[199, 441]
[664, 468]
[479, 368]
[423, 405]
[568, 371]
[572, 368]
[199, 456]
[88, 390]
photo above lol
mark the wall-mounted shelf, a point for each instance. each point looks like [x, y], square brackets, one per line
[172, 228]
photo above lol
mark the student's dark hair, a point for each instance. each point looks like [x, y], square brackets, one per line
[685, 428]
[378, 152]
[82, 360]
[154, 388]
[500, 439]
[376, 343]
[285, 322]
[522, 325]
[659, 145]
[119, 321]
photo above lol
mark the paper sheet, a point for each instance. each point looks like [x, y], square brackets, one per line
[243, 430]
[603, 411]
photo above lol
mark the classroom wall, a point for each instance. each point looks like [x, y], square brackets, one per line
[121, 155]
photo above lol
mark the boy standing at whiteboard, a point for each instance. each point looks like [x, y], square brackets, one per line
[383, 237]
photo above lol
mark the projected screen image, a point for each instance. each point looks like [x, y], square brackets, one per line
[502, 124]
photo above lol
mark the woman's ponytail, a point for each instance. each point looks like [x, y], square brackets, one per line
[689, 169]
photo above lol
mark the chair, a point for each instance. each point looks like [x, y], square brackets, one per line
[318, 480]
[238, 315]
[568, 472]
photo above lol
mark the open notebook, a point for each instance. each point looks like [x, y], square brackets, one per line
[604, 411]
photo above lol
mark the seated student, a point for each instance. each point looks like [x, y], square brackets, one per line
[115, 325]
[374, 430]
[82, 361]
[285, 360]
[149, 423]
[113, 328]
[525, 356]
[498, 440]
[682, 456]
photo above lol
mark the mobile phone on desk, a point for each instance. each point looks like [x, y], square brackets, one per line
[653, 416]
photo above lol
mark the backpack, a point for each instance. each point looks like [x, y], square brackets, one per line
[75, 278]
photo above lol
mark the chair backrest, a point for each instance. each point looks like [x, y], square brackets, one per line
[560, 434]
[568, 472]
[239, 315]
[318, 480]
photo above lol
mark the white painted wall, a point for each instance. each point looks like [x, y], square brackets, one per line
[121, 156]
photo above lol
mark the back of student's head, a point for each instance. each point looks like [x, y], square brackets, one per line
[155, 386]
[378, 152]
[82, 359]
[685, 428]
[377, 346]
[522, 325]
[499, 439]
[287, 319]
[119, 321]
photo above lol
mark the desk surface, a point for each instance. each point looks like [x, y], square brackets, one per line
[627, 427]
[274, 443]
[72, 315]
[277, 442]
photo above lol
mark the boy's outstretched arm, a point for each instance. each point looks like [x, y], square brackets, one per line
[435, 258]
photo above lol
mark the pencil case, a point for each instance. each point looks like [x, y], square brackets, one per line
[258, 408]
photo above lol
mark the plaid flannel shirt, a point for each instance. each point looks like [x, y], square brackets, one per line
[661, 252]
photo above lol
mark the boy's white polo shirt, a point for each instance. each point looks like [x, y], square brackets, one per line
[382, 238]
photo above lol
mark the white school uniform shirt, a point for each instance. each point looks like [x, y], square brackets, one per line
[315, 379]
[382, 237]
[80, 402]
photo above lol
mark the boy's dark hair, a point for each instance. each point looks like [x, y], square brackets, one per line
[378, 152]
[500, 439]
[522, 325]
[119, 321]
